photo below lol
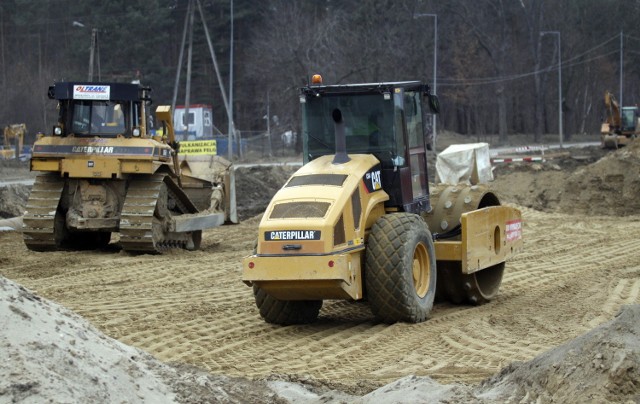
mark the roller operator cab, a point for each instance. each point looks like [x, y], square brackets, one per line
[358, 220]
[102, 171]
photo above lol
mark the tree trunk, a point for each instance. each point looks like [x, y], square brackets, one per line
[502, 114]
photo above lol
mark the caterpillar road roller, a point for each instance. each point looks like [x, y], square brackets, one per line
[102, 171]
[358, 221]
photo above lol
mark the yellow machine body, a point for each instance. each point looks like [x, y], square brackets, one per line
[359, 220]
[621, 125]
[102, 171]
[299, 257]
[99, 157]
[311, 237]
[489, 236]
[13, 141]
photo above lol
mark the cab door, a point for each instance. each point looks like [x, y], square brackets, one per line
[417, 147]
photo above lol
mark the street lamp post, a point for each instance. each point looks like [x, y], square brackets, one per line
[621, 65]
[542, 33]
[435, 66]
[92, 50]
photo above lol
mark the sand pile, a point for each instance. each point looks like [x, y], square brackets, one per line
[610, 186]
[590, 181]
[50, 354]
[255, 186]
[13, 199]
[600, 366]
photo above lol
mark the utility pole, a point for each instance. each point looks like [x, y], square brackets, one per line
[189, 31]
[92, 53]
[182, 45]
[223, 92]
[621, 63]
[187, 97]
[232, 128]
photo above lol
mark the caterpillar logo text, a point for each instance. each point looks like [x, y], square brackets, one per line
[292, 235]
[92, 149]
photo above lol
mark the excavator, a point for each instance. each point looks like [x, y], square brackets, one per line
[621, 124]
[102, 171]
[359, 220]
[13, 141]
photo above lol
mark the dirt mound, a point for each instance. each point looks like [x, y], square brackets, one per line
[537, 186]
[256, 185]
[15, 170]
[51, 354]
[611, 186]
[13, 199]
[600, 366]
[589, 181]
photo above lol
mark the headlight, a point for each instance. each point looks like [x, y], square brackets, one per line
[136, 132]
[57, 130]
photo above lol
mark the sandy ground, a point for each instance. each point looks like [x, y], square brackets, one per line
[555, 333]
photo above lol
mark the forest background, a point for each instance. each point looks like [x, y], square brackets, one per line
[497, 60]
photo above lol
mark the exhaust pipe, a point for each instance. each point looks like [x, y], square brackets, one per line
[341, 156]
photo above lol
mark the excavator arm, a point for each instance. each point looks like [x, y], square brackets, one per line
[613, 110]
[14, 139]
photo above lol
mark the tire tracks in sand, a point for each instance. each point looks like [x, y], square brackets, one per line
[574, 273]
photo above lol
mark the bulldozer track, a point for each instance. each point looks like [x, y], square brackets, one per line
[137, 219]
[143, 223]
[194, 308]
[142, 227]
[40, 212]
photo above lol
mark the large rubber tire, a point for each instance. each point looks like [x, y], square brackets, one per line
[400, 272]
[286, 312]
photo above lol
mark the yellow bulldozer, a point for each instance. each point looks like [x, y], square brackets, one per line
[359, 222]
[103, 171]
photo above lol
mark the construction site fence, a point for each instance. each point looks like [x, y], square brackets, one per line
[263, 145]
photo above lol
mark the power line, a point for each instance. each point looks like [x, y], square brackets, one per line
[517, 76]
[571, 62]
[495, 80]
[631, 37]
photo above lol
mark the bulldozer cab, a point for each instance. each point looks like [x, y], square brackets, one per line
[102, 110]
[380, 119]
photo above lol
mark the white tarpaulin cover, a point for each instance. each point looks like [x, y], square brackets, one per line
[468, 163]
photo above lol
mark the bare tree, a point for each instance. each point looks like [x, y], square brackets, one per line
[490, 23]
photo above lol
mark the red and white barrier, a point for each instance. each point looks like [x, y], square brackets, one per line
[516, 159]
[519, 149]
[498, 155]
